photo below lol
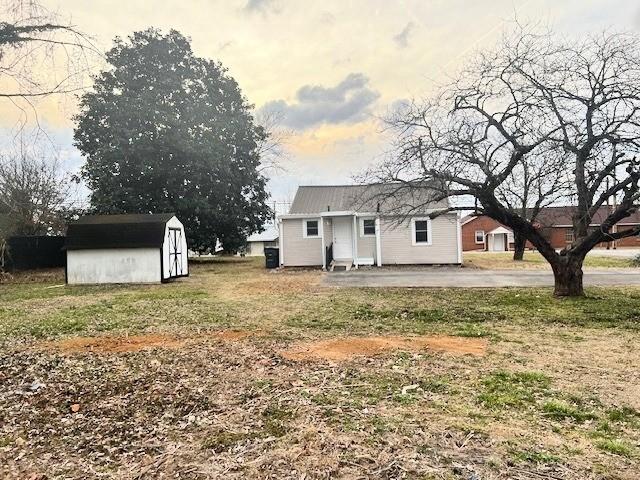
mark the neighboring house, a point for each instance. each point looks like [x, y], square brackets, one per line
[483, 233]
[257, 242]
[132, 248]
[337, 224]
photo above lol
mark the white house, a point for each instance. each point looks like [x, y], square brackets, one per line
[258, 241]
[131, 248]
[353, 225]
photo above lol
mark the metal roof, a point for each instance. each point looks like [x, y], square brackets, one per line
[382, 197]
[269, 235]
[117, 231]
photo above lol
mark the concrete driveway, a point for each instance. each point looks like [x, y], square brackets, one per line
[461, 277]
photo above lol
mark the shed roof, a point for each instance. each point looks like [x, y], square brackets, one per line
[391, 198]
[117, 231]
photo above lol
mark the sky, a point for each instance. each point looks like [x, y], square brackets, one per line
[333, 69]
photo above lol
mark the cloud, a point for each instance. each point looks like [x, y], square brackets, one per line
[262, 6]
[347, 102]
[402, 38]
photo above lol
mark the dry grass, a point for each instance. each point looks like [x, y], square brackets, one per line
[202, 390]
[533, 260]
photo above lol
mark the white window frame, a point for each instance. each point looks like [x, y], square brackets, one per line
[475, 236]
[429, 232]
[304, 227]
[362, 234]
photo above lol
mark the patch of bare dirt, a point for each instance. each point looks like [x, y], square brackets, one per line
[134, 343]
[111, 344]
[350, 347]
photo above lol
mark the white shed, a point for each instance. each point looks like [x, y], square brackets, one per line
[130, 248]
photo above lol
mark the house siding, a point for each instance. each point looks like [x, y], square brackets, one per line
[366, 247]
[398, 249]
[299, 251]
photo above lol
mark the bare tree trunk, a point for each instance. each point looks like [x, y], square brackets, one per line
[567, 272]
[519, 244]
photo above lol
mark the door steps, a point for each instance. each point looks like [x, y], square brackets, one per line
[341, 265]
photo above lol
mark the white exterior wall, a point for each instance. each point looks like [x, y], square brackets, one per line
[113, 265]
[397, 246]
[255, 249]
[174, 223]
[366, 244]
[299, 251]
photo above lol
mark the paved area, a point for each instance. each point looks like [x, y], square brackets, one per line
[461, 277]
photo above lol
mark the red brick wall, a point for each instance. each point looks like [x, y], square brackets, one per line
[469, 232]
[556, 235]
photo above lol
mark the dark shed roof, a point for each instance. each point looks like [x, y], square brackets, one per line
[117, 231]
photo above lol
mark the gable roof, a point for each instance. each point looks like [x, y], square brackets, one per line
[269, 235]
[562, 216]
[117, 231]
[390, 197]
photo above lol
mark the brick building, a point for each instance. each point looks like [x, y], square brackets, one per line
[483, 233]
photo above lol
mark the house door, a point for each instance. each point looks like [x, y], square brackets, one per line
[176, 269]
[498, 242]
[342, 240]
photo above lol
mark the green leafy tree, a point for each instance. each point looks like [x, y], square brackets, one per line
[166, 131]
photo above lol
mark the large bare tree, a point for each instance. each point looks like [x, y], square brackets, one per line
[41, 54]
[566, 112]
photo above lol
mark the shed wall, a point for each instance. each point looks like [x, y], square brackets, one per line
[115, 265]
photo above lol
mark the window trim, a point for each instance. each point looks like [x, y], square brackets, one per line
[429, 232]
[304, 227]
[484, 237]
[568, 239]
[367, 235]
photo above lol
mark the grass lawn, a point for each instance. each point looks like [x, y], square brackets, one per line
[225, 374]
[533, 260]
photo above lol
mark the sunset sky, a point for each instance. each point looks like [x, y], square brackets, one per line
[332, 67]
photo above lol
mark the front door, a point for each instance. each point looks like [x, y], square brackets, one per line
[175, 252]
[498, 242]
[342, 240]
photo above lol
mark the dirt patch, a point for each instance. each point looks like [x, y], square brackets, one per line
[133, 343]
[109, 344]
[351, 347]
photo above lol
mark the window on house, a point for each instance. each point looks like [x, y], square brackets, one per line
[368, 227]
[311, 229]
[479, 236]
[421, 231]
[568, 236]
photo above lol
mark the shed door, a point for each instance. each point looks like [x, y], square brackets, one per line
[176, 267]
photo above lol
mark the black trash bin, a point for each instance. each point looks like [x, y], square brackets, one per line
[272, 257]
